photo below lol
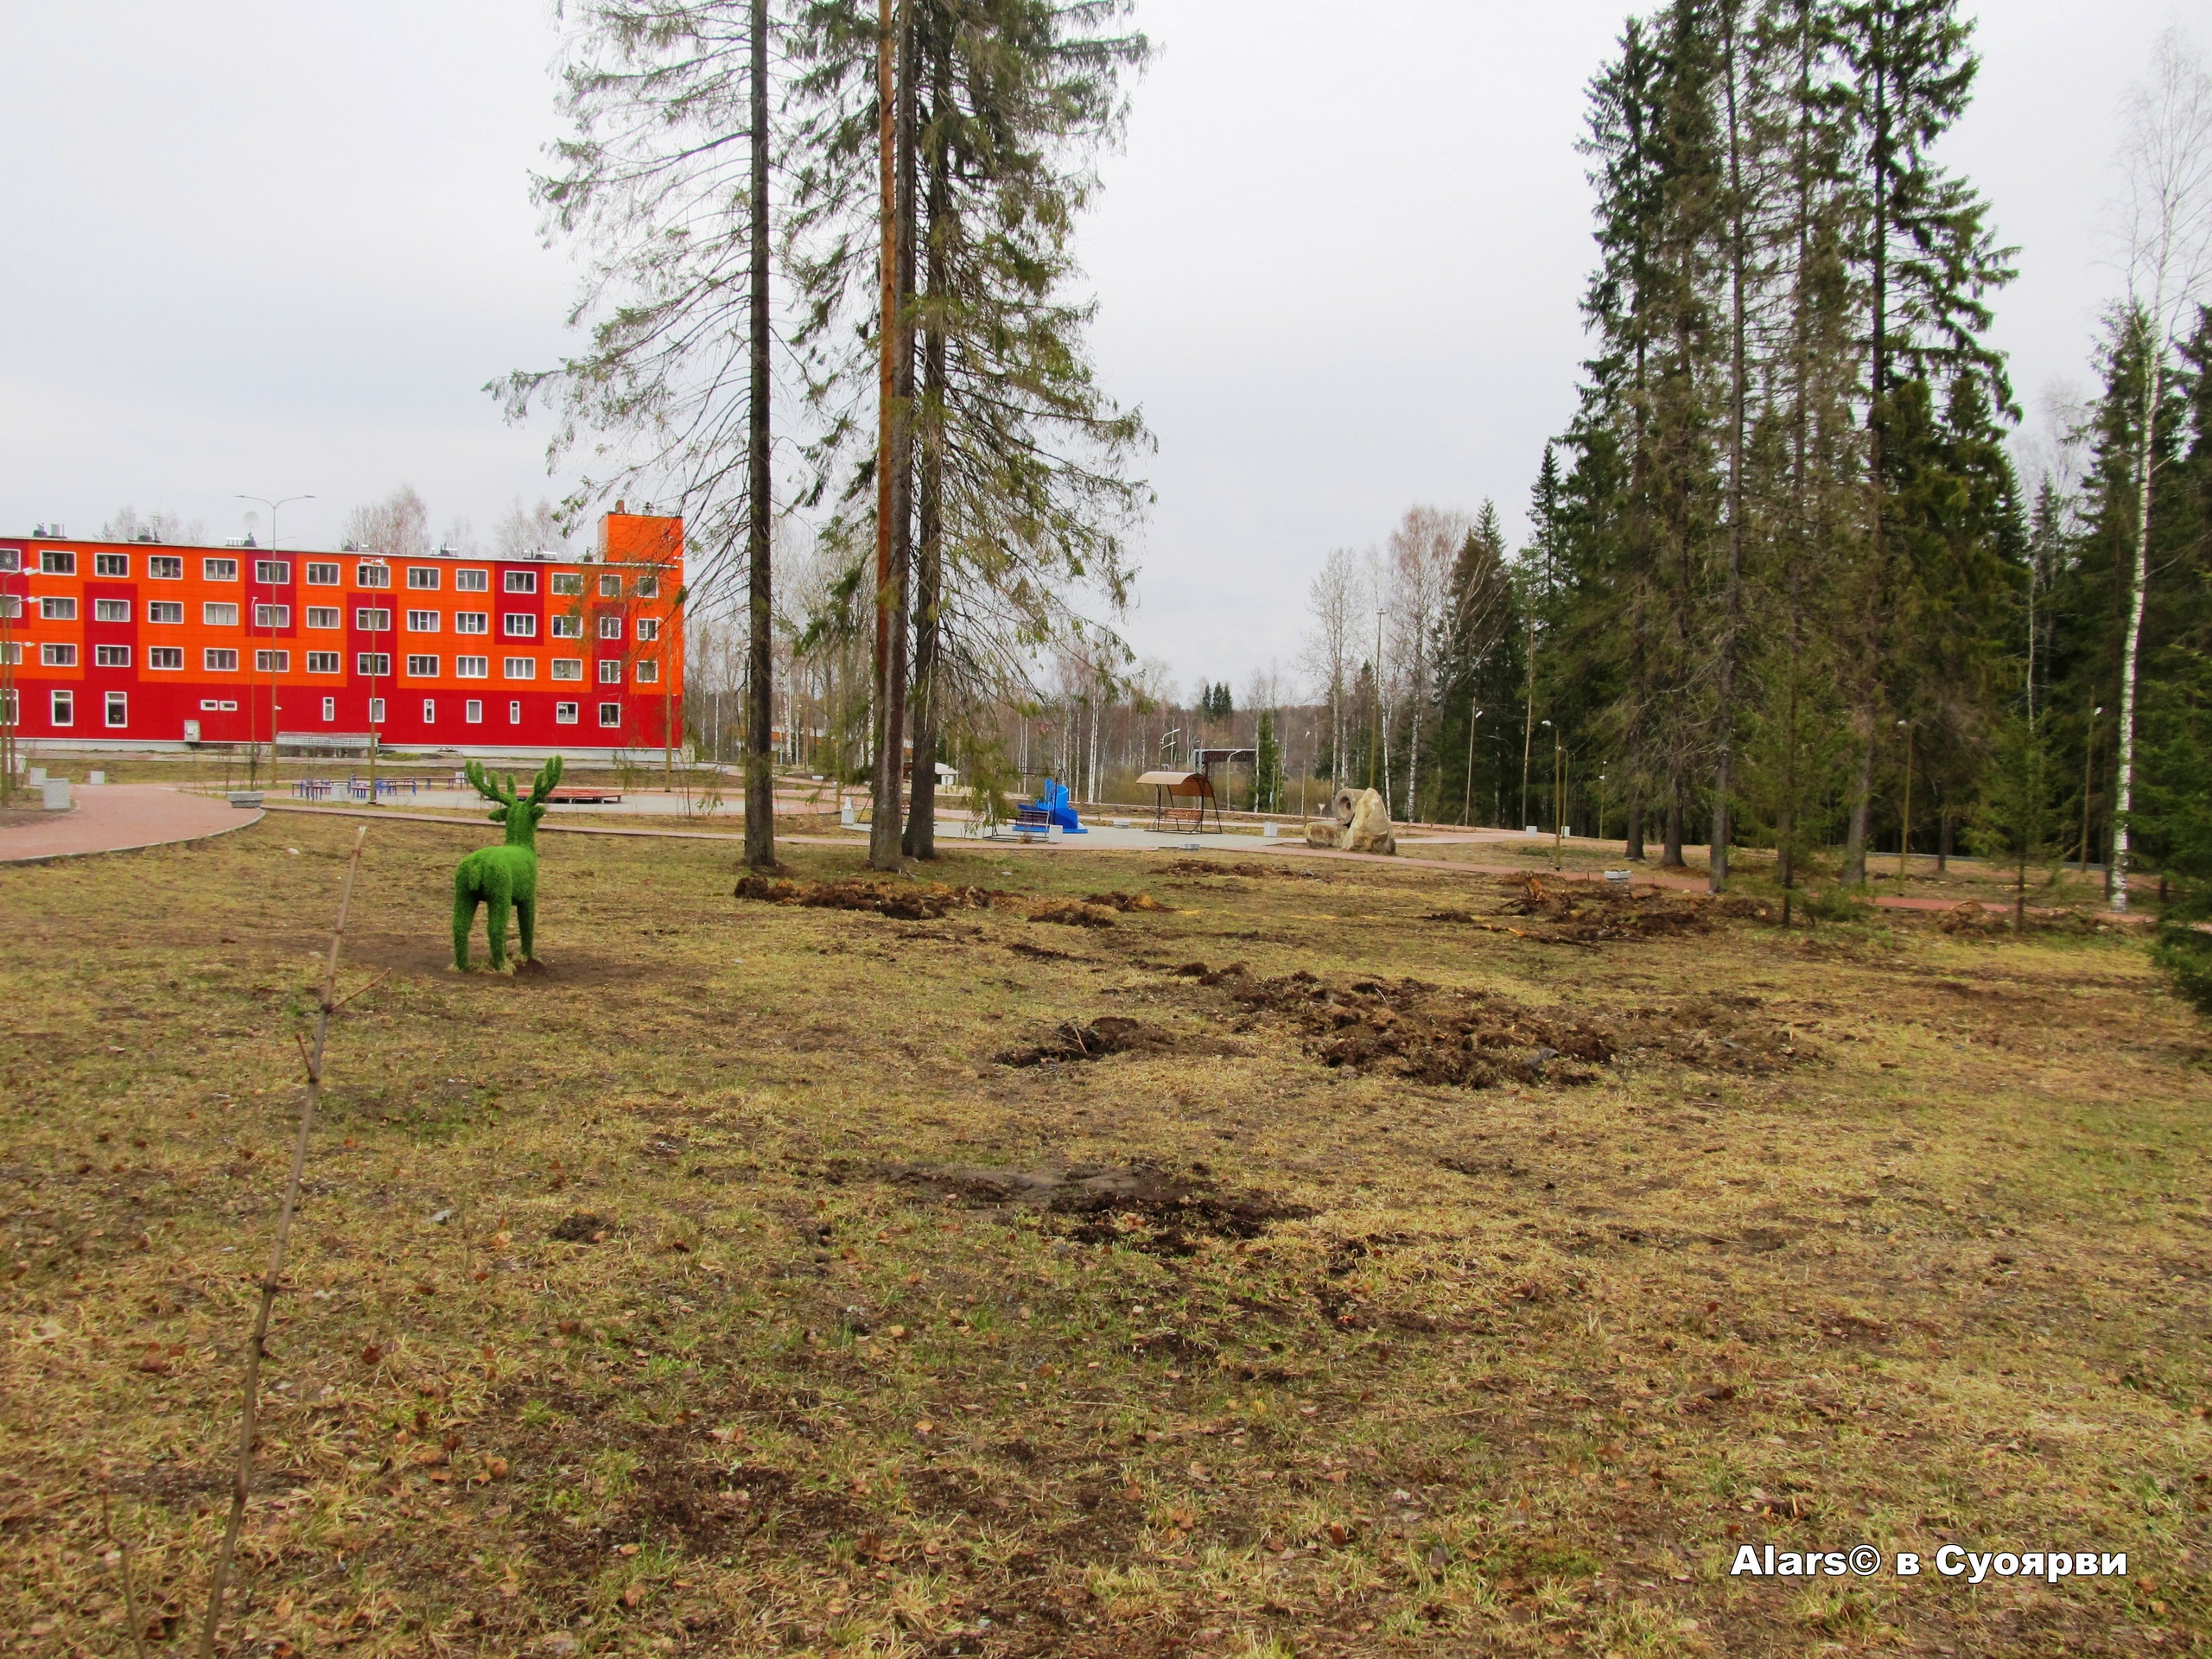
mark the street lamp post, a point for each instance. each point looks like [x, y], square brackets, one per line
[253, 746]
[1904, 825]
[1467, 805]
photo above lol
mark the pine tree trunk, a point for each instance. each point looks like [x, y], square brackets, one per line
[760, 674]
[884, 826]
[1671, 857]
[1632, 839]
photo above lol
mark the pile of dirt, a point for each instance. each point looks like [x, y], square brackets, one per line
[1112, 1034]
[911, 901]
[1119, 900]
[1069, 913]
[1110, 1204]
[1216, 866]
[1585, 912]
[1475, 1040]
[1405, 1027]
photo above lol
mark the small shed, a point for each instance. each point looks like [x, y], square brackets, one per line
[1180, 800]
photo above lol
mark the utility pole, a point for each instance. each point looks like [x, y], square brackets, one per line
[1375, 748]
[1467, 806]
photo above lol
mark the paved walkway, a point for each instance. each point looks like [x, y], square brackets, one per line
[119, 818]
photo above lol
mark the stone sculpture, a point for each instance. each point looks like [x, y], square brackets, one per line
[1358, 823]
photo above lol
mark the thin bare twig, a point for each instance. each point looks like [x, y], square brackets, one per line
[250, 1413]
[364, 991]
[130, 1593]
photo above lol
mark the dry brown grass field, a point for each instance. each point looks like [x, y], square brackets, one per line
[1126, 1255]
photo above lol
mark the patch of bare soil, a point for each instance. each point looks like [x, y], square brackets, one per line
[1111, 1033]
[1069, 913]
[910, 901]
[1582, 913]
[1217, 867]
[1119, 900]
[1130, 1204]
[1474, 1039]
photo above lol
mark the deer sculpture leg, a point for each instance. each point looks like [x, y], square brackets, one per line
[526, 925]
[465, 898]
[499, 900]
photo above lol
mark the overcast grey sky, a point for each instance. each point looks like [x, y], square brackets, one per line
[278, 248]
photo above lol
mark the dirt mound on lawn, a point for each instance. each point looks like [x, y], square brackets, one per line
[1588, 913]
[1475, 1040]
[1136, 1203]
[912, 901]
[1119, 900]
[1111, 1033]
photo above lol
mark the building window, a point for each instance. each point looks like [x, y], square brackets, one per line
[323, 616]
[165, 567]
[610, 713]
[272, 616]
[648, 628]
[520, 668]
[610, 586]
[213, 661]
[372, 620]
[220, 569]
[514, 713]
[165, 656]
[520, 627]
[110, 655]
[565, 582]
[322, 575]
[329, 705]
[421, 668]
[165, 610]
[220, 616]
[11, 559]
[111, 564]
[568, 668]
[422, 621]
[57, 610]
[376, 711]
[610, 671]
[564, 714]
[118, 709]
[324, 662]
[110, 610]
[373, 664]
[430, 712]
[648, 674]
[421, 575]
[566, 627]
[649, 587]
[610, 627]
[11, 606]
[272, 662]
[367, 574]
[63, 705]
[11, 652]
[472, 668]
[7, 708]
[472, 711]
[54, 561]
[520, 582]
[273, 573]
[471, 622]
[472, 581]
[57, 656]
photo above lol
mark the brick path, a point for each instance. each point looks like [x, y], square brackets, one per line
[117, 818]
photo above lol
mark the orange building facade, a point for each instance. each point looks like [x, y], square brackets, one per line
[149, 646]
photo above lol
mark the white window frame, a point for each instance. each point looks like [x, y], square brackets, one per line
[471, 622]
[610, 586]
[218, 613]
[325, 616]
[518, 668]
[57, 607]
[110, 610]
[429, 711]
[165, 567]
[110, 655]
[559, 626]
[607, 708]
[610, 627]
[325, 661]
[218, 570]
[111, 564]
[165, 658]
[564, 714]
[56, 562]
[423, 622]
[155, 607]
[323, 575]
[330, 707]
[62, 708]
[272, 616]
[376, 711]
[371, 618]
[117, 707]
[648, 629]
[472, 712]
[371, 573]
[472, 668]
[422, 578]
[518, 625]
[210, 663]
[518, 581]
[610, 670]
[514, 713]
[57, 654]
[281, 568]
[568, 668]
[272, 662]
[373, 664]
[646, 671]
[421, 666]
[472, 581]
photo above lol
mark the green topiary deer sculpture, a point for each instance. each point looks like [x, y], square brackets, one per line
[502, 877]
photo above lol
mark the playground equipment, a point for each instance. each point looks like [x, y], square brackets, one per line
[1049, 811]
[503, 876]
[1180, 800]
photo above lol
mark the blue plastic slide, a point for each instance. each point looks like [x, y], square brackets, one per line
[1053, 798]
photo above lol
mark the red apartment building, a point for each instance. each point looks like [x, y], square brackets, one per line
[147, 645]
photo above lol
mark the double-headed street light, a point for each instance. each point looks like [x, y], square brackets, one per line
[253, 745]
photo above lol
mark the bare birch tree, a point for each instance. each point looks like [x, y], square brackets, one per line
[1417, 571]
[1335, 600]
[2165, 236]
